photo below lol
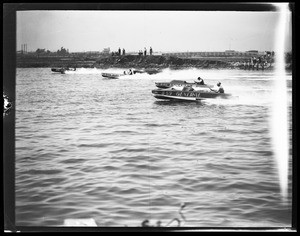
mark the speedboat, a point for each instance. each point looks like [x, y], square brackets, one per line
[62, 70]
[149, 71]
[59, 70]
[180, 83]
[188, 94]
[111, 75]
[130, 72]
[117, 76]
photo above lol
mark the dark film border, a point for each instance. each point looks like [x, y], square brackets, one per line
[9, 85]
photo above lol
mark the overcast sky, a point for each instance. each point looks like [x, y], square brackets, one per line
[163, 30]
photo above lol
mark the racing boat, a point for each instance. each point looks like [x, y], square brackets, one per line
[111, 75]
[187, 93]
[130, 72]
[62, 70]
[149, 71]
[180, 83]
[59, 70]
[117, 76]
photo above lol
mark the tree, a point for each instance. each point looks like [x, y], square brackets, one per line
[40, 50]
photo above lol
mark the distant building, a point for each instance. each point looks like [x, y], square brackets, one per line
[106, 51]
[253, 51]
[40, 50]
[62, 51]
[91, 52]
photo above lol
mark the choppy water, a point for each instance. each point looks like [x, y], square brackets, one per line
[90, 147]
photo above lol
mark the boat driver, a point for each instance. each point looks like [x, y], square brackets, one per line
[200, 81]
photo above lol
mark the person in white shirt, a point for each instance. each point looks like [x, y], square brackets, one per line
[219, 88]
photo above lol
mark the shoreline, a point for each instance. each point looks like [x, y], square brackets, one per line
[135, 61]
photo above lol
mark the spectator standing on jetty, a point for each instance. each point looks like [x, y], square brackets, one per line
[123, 51]
[254, 63]
[151, 51]
[119, 51]
[251, 64]
[145, 51]
[248, 64]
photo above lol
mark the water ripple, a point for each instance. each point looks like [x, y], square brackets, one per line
[85, 150]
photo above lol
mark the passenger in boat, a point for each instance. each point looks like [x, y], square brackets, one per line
[219, 89]
[200, 81]
[188, 88]
[185, 88]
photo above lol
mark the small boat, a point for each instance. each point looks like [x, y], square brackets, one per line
[137, 71]
[180, 83]
[143, 71]
[62, 70]
[192, 95]
[59, 70]
[111, 75]
[117, 76]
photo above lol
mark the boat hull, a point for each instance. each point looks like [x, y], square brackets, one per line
[186, 95]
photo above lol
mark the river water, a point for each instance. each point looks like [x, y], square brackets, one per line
[90, 147]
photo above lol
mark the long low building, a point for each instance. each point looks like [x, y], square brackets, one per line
[227, 53]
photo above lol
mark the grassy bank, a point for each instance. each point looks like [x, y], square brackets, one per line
[28, 61]
[128, 61]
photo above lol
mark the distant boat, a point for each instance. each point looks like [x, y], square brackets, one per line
[111, 75]
[147, 71]
[180, 83]
[117, 76]
[62, 70]
[59, 70]
[130, 72]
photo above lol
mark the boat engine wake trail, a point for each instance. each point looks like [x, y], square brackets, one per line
[85, 71]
